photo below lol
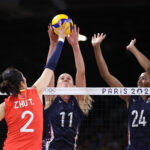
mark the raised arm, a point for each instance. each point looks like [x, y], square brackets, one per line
[79, 62]
[53, 38]
[102, 66]
[143, 61]
[80, 80]
[47, 74]
[53, 41]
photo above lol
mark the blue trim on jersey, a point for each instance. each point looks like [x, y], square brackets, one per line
[65, 118]
[139, 123]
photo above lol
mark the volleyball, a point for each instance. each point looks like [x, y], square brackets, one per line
[62, 18]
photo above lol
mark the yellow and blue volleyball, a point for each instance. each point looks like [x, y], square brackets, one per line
[62, 18]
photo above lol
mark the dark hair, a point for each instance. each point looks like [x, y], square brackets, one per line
[11, 79]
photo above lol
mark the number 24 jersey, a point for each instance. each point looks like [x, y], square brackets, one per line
[139, 123]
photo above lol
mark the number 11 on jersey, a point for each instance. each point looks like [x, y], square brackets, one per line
[63, 118]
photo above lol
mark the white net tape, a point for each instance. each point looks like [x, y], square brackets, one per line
[96, 91]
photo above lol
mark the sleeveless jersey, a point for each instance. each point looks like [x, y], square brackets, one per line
[24, 118]
[139, 123]
[62, 121]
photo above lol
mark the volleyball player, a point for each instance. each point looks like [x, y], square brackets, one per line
[138, 106]
[23, 109]
[64, 113]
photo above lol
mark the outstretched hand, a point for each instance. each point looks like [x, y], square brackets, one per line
[52, 36]
[97, 39]
[62, 30]
[74, 36]
[131, 44]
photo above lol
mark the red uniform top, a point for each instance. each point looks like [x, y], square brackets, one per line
[24, 118]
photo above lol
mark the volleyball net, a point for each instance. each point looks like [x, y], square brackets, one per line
[98, 91]
[106, 125]
[95, 91]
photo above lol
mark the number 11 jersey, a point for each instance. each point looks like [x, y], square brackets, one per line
[62, 121]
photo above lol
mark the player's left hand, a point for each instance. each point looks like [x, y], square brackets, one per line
[131, 44]
[52, 36]
[74, 36]
[97, 39]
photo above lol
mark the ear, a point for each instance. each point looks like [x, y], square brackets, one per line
[22, 85]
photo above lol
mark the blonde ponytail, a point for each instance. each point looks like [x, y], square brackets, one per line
[86, 104]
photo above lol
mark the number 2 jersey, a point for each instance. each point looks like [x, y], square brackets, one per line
[62, 121]
[139, 123]
[24, 118]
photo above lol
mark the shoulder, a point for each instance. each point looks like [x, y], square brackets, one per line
[77, 104]
[75, 100]
[8, 103]
[56, 99]
[32, 91]
[132, 100]
[9, 99]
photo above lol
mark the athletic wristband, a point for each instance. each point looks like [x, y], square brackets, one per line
[52, 62]
[61, 39]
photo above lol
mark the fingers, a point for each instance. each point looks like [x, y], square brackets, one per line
[134, 40]
[78, 30]
[67, 28]
[131, 44]
[56, 29]
[60, 23]
[50, 28]
[94, 36]
[50, 32]
[102, 35]
[75, 28]
[63, 26]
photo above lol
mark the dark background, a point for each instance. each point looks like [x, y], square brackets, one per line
[24, 44]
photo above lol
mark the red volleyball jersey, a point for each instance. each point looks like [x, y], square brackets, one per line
[24, 118]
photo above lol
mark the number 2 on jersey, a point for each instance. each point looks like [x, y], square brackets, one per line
[63, 118]
[24, 128]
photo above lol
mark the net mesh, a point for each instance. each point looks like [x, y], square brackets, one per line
[105, 128]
